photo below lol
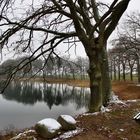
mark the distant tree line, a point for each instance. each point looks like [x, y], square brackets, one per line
[124, 57]
[55, 67]
[123, 62]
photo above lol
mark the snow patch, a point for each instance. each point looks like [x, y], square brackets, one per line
[104, 109]
[69, 134]
[131, 101]
[138, 85]
[51, 124]
[114, 99]
[69, 119]
[24, 134]
[18, 136]
[29, 131]
[87, 114]
[121, 130]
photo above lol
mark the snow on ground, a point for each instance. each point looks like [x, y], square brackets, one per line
[51, 124]
[69, 119]
[104, 109]
[138, 85]
[131, 101]
[86, 114]
[24, 134]
[121, 130]
[18, 136]
[29, 131]
[114, 99]
[69, 134]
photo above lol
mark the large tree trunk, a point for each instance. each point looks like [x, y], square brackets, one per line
[99, 80]
[95, 85]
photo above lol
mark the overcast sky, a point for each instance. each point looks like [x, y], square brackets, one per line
[134, 5]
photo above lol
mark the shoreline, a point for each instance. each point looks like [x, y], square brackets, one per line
[119, 88]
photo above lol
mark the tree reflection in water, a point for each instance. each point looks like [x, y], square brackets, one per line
[52, 94]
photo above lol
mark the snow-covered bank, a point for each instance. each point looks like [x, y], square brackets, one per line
[25, 134]
[69, 134]
[115, 104]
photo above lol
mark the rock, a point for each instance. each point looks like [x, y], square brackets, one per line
[67, 122]
[48, 128]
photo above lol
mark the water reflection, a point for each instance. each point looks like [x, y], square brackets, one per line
[52, 94]
[25, 103]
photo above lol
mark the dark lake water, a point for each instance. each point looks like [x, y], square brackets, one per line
[23, 104]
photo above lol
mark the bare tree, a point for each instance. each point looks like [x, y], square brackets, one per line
[125, 54]
[115, 56]
[131, 39]
[55, 21]
[131, 62]
[132, 32]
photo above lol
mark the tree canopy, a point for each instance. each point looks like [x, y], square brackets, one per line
[41, 26]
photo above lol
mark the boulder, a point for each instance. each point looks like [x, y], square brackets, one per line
[67, 122]
[48, 128]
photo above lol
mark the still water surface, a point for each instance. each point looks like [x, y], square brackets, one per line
[23, 104]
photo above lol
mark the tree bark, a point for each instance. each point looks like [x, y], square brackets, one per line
[114, 69]
[131, 73]
[100, 85]
[124, 72]
[138, 69]
[95, 82]
[111, 69]
[106, 83]
[119, 69]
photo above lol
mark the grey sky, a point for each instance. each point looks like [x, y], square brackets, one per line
[134, 5]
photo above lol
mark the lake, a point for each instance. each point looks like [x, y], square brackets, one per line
[25, 103]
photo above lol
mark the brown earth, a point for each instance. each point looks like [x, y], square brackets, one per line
[118, 124]
[126, 90]
[115, 125]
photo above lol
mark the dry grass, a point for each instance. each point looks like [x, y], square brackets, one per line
[126, 90]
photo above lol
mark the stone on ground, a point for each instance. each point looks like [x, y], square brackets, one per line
[48, 128]
[67, 122]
